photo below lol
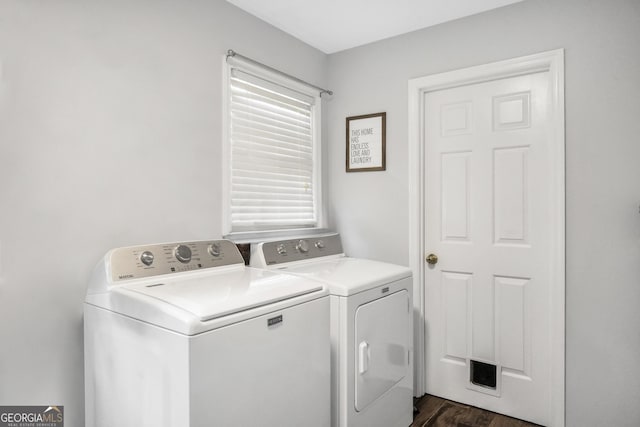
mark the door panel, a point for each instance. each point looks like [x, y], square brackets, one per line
[488, 198]
[510, 186]
[455, 196]
[456, 287]
[514, 334]
[382, 344]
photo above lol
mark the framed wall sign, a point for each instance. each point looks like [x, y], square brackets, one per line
[366, 142]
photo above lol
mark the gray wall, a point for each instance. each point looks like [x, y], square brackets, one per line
[601, 42]
[110, 130]
[108, 108]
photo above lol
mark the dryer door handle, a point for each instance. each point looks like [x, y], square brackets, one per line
[363, 357]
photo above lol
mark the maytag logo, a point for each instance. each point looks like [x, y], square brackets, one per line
[125, 276]
[274, 320]
[32, 416]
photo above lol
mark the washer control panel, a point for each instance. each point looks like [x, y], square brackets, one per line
[153, 260]
[282, 251]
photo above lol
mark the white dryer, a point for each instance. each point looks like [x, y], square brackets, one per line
[371, 328]
[184, 335]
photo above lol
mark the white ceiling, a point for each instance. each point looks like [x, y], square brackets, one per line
[335, 25]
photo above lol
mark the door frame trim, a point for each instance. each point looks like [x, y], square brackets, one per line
[553, 63]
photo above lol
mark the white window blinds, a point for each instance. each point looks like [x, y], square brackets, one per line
[273, 158]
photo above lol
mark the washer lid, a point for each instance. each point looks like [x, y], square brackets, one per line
[347, 276]
[215, 295]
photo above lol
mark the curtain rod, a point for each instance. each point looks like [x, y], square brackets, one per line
[232, 54]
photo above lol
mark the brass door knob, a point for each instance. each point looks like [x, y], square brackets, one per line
[432, 259]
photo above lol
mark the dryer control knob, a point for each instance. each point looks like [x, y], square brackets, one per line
[281, 249]
[303, 246]
[182, 253]
[147, 258]
[320, 244]
[214, 249]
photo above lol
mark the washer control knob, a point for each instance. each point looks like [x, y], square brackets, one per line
[303, 246]
[182, 253]
[281, 249]
[147, 258]
[214, 249]
[320, 244]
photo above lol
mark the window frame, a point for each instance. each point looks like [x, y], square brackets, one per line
[226, 168]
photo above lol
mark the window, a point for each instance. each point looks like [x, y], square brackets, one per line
[272, 151]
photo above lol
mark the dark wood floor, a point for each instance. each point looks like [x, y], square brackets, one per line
[437, 412]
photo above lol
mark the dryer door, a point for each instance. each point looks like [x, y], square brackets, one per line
[382, 332]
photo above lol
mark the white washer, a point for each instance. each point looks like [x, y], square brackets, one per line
[371, 328]
[184, 334]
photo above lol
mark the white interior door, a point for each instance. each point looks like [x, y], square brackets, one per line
[488, 218]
